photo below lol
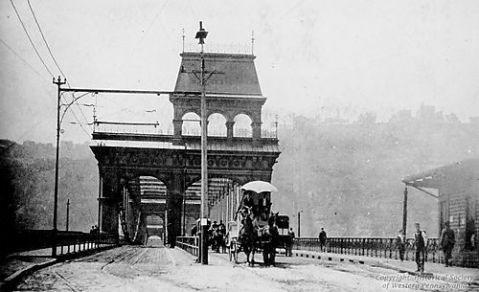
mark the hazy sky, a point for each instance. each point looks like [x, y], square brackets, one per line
[312, 56]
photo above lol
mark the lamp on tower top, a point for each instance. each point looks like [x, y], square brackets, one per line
[201, 34]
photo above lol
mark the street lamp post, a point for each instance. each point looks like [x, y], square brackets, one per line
[201, 35]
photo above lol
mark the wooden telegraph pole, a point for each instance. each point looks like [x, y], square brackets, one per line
[68, 215]
[59, 84]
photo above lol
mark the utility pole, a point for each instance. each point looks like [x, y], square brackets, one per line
[299, 224]
[59, 83]
[404, 213]
[68, 214]
[201, 35]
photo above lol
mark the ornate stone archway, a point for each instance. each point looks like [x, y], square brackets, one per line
[176, 159]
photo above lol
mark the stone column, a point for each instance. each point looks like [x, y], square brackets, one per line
[256, 130]
[177, 125]
[110, 197]
[177, 128]
[229, 130]
[174, 208]
[109, 216]
[256, 125]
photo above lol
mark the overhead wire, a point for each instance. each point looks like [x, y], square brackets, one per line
[44, 39]
[38, 54]
[59, 69]
[30, 39]
[22, 59]
[40, 57]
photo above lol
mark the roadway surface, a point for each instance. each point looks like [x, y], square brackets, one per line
[156, 268]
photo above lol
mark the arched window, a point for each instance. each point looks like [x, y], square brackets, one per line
[217, 125]
[242, 126]
[191, 124]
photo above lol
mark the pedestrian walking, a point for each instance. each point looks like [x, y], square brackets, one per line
[420, 248]
[401, 244]
[447, 243]
[289, 252]
[322, 239]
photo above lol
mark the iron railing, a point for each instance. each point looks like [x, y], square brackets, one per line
[370, 247]
[66, 242]
[189, 244]
[83, 242]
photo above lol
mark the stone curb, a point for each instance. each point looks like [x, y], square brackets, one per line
[367, 261]
[337, 258]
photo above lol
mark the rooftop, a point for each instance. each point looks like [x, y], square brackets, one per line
[235, 74]
[462, 171]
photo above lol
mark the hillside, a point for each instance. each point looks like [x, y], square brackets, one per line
[347, 177]
[28, 171]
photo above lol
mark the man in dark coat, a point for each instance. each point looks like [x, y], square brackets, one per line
[447, 242]
[322, 239]
[420, 248]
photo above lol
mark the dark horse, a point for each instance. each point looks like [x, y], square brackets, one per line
[247, 238]
[253, 236]
[269, 240]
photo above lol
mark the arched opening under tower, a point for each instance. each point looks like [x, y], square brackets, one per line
[191, 124]
[154, 229]
[223, 201]
[217, 125]
[142, 210]
[242, 126]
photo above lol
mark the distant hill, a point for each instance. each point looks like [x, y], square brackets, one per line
[28, 172]
[347, 177]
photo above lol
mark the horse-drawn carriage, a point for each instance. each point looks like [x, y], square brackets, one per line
[255, 226]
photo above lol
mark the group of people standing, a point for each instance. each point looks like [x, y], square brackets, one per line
[446, 242]
[94, 229]
[216, 235]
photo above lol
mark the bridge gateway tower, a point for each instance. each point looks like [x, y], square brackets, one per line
[129, 163]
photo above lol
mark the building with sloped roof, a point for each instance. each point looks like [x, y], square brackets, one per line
[457, 186]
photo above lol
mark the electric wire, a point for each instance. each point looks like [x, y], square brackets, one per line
[44, 39]
[39, 56]
[30, 39]
[41, 59]
[58, 66]
[22, 59]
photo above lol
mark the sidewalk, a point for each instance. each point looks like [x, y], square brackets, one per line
[453, 274]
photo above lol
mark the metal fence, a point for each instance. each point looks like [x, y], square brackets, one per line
[77, 243]
[188, 243]
[370, 247]
[66, 243]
